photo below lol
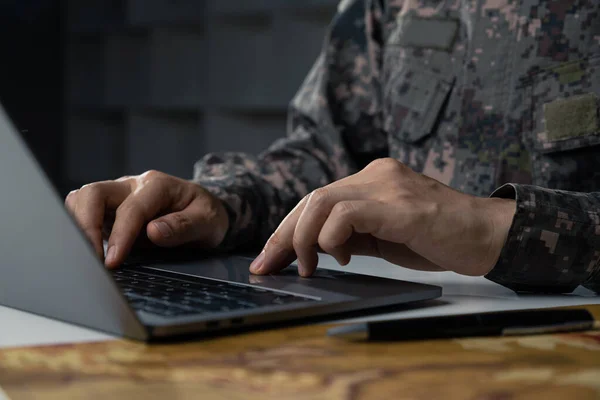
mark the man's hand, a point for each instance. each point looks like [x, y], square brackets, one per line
[172, 211]
[389, 211]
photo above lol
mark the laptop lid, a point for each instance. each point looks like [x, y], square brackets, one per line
[46, 265]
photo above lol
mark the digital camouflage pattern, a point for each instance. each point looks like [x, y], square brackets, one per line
[479, 94]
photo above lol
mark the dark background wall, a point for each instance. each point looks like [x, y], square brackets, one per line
[31, 76]
[107, 88]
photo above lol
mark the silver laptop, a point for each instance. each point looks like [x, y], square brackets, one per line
[48, 268]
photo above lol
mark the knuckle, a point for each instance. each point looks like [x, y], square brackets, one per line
[124, 178]
[91, 190]
[71, 197]
[298, 242]
[166, 184]
[275, 240]
[128, 180]
[319, 197]
[151, 175]
[327, 243]
[344, 209]
[387, 164]
[305, 199]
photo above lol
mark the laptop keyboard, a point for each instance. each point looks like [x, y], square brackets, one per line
[169, 295]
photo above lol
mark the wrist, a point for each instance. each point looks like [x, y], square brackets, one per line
[218, 214]
[501, 213]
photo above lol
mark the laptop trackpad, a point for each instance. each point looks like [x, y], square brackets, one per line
[324, 284]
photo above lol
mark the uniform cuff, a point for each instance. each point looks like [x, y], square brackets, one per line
[237, 237]
[540, 252]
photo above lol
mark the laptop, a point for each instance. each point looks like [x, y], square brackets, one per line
[48, 268]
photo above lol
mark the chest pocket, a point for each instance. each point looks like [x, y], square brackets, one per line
[417, 78]
[562, 125]
[414, 98]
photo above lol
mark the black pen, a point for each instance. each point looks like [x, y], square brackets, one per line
[503, 323]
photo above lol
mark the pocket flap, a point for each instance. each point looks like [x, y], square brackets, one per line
[414, 100]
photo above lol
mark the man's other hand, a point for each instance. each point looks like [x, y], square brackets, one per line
[172, 211]
[389, 211]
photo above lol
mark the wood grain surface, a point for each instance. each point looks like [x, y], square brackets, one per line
[302, 363]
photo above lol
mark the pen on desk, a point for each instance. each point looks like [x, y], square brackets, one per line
[504, 323]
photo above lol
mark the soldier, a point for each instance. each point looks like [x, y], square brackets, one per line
[439, 135]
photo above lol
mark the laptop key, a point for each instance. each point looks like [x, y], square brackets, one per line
[171, 297]
[246, 304]
[138, 303]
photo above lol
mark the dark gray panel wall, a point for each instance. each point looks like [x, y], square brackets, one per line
[159, 83]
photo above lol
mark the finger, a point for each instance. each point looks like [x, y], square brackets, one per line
[338, 229]
[71, 200]
[276, 254]
[109, 220]
[191, 225]
[280, 244]
[388, 225]
[357, 244]
[88, 206]
[280, 249]
[364, 217]
[313, 216]
[131, 216]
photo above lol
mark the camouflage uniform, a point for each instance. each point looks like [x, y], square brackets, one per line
[492, 97]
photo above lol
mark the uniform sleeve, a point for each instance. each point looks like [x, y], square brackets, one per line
[554, 242]
[336, 103]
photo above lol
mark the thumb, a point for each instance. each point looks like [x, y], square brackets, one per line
[194, 224]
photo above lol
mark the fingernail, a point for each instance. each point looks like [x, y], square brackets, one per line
[164, 229]
[257, 263]
[110, 254]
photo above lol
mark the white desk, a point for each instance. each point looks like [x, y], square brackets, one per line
[461, 295]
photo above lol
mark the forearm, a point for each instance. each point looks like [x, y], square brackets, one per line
[554, 241]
